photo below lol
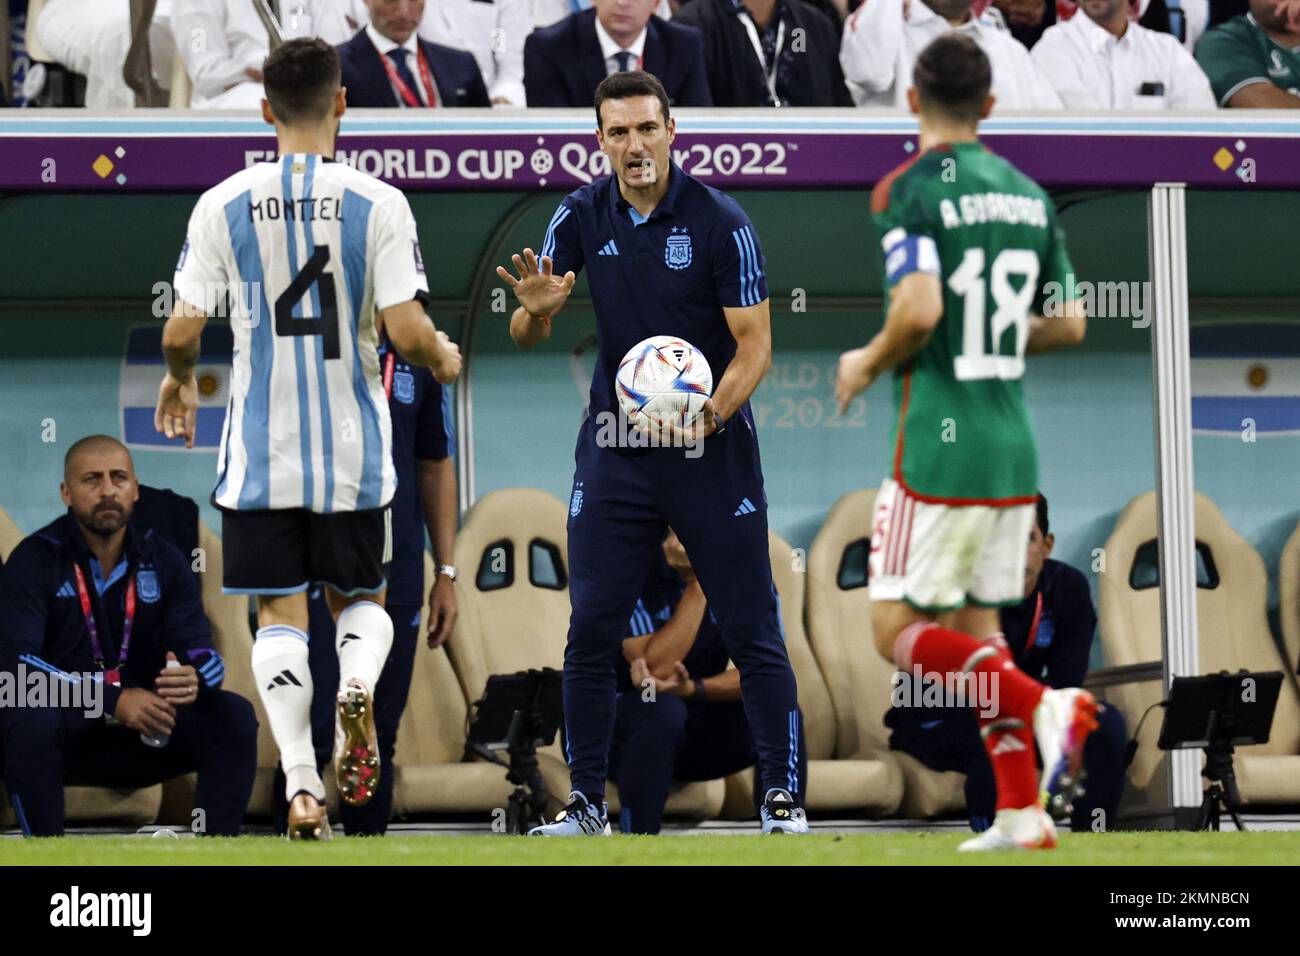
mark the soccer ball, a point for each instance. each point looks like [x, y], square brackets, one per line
[662, 380]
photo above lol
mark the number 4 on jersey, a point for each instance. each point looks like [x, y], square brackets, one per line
[327, 326]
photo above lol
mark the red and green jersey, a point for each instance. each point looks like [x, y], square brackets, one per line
[962, 434]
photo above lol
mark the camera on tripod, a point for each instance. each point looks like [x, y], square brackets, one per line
[518, 713]
[1215, 713]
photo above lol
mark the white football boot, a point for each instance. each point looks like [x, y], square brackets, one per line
[1062, 722]
[1026, 829]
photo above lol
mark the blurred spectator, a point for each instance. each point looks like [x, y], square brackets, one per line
[1050, 637]
[883, 38]
[693, 727]
[564, 63]
[224, 43]
[90, 600]
[1098, 60]
[768, 52]
[1027, 19]
[1253, 61]
[546, 12]
[494, 32]
[1185, 20]
[387, 64]
[92, 38]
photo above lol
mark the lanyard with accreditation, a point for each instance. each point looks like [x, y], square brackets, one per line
[87, 609]
[769, 71]
[405, 92]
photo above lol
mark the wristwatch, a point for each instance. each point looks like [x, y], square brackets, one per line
[449, 570]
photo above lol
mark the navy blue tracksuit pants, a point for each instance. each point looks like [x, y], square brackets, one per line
[673, 740]
[390, 700]
[47, 748]
[621, 505]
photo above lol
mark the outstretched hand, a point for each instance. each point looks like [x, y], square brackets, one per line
[539, 290]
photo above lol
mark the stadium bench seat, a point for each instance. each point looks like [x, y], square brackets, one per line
[839, 781]
[514, 614]
[857, 677]
[1232, 624]
[431, 776]
[228, 615]
[84, 804]
[1288, 586]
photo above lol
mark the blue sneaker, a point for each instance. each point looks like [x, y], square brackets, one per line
[780, 815]
[579, 818]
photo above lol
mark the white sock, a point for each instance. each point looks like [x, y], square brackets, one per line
[365, 636]
[284, 684]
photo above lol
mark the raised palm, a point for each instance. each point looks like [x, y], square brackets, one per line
[539, 290]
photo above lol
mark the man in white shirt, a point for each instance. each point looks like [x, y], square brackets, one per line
[883, 38]
[494, 32]
[92, 37]
[1100, 60]
[223, 44]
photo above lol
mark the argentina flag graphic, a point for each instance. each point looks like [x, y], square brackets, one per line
[1246, 376]
[142, 371]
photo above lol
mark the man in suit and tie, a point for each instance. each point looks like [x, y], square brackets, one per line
[565, 62]
[388, 65]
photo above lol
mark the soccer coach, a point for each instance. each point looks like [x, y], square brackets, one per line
[665, 255]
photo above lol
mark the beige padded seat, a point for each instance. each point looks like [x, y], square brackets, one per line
[1288, 587]
[231, 636]
[858, 678]
[1233, 634]
[84, 804]
[848, 781]
[430, 775]
[522, 624]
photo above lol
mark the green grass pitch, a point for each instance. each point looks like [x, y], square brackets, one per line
[907, 849]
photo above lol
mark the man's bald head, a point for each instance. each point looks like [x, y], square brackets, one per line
[95, 445]
[99, 484]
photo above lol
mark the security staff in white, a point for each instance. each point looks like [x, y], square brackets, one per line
[883, 38]
[92, 37]
[223, 44]
[1101, 60]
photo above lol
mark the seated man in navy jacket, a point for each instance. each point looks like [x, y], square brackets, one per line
[90, 603]
[693, 726]
[387, 65]
[1050, 635]
[565, 62]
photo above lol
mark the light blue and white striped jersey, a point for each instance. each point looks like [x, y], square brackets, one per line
[302, 252]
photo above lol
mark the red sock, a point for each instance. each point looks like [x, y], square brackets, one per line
[1010, 746]
[941, 651]
[1008, 733]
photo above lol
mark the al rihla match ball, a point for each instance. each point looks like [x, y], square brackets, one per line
[663, 379]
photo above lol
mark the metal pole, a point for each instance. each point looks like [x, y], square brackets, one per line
[1175, 503]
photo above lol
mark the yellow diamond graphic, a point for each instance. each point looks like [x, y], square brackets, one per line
[102, 166]
[1223, 158]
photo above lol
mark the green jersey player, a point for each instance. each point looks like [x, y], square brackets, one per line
[973, 256]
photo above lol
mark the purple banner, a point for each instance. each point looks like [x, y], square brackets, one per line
[478, 150]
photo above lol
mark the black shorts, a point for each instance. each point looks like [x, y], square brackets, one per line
[285, 551]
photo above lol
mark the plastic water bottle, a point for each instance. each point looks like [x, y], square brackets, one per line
[159, 740]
